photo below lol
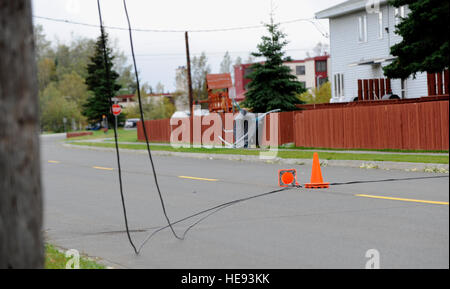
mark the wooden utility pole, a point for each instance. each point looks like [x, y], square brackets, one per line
[21, 241]
[188, 59]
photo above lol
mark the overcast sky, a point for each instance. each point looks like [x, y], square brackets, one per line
[159, 54]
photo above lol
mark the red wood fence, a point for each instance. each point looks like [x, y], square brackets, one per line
[158, 130]
[416, 126]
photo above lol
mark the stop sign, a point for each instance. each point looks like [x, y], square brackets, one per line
[116, 109]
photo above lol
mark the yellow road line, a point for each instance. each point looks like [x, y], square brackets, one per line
[199, 179]
[54, 162]
[103, 168]
[404, 200]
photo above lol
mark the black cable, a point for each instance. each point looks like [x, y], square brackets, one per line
[311, 20]
[143, 122]
[108, 86]
[385, 180]
[215, 209]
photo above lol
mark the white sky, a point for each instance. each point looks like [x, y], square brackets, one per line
[159, 54]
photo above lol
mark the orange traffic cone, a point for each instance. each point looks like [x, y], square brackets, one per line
[316, 175]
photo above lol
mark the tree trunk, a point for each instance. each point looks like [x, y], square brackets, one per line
[21, 241]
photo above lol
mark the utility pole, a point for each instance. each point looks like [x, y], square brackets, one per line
[188, 59]
[21, 239]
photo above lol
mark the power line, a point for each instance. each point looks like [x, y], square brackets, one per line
[212, 53]
[310, 20]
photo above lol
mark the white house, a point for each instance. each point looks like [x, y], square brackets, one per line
[360, 41]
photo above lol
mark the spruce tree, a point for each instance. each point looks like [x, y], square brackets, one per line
[272, 85]
[425, 42]
[98, 104]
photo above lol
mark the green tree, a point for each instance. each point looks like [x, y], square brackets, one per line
[73, 87]
[225, 65]
[46, 72]
[159, 88]
[200, 69]
[41, 43]
[272, 85]
[425, 42]
[155, 109]
[98, 104]
[126, 78]
[73, 56]
[318, 95]
[54, 107]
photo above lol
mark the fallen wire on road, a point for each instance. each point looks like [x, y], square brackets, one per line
[385, 180]
[214, 210]
[170, 224]
[211, 210]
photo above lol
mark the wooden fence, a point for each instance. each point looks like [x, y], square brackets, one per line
[420, 124]
[158, 130]
[412, 126]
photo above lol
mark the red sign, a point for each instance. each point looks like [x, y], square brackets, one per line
[116, 109]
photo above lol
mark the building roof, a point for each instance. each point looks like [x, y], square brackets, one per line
[218, 81]
[343, 8]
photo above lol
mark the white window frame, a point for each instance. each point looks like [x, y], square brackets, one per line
[339, 84]
[403, 86]
[362, 28]
[380, 25]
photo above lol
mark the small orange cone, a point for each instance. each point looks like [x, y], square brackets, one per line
[316, 175]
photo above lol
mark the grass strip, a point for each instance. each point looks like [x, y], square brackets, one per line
[435, 159]
[54, 259]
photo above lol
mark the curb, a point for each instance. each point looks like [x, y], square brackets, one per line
[384, 165]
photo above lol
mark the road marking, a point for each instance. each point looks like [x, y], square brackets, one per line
[199, 179]
[54, 162]
[402, 199]
[103, 168]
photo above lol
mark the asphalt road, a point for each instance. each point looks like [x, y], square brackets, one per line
[297, 228]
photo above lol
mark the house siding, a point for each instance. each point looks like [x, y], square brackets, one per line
[346, 49]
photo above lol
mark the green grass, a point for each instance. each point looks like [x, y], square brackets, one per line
[288, 154]
[54, 259]
[123, 135]
[131, 136]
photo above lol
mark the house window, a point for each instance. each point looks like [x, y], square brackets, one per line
[322, 81]
[303, 83]
[399, 13]
[300, 70]
[339, 84]
[362, 28]
[380, 25]
[321, 66]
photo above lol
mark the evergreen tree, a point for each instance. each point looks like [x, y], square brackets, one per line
[272, 85]
[425, 43]
[98, 104]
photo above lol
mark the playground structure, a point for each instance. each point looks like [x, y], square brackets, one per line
[218, 86]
